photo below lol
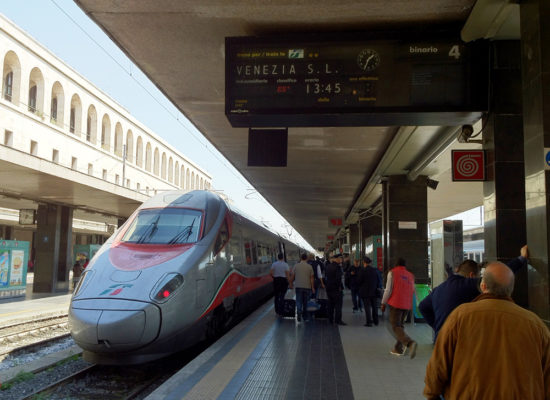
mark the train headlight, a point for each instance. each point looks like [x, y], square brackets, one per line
[166, 287]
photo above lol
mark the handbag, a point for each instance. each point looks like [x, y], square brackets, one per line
[322, 294]
[312, 305]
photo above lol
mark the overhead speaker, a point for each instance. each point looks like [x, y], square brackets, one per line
[432, 184]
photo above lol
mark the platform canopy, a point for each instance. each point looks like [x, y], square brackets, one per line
[332, 171]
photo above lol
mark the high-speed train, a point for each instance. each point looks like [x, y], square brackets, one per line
[178, 270]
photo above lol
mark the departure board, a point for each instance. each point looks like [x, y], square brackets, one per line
[354, 82]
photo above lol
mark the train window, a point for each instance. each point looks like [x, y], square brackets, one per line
[263, 253]
[222, 239]
[164, 226]
[250, 251]
[235, 248]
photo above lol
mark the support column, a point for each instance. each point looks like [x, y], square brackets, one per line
[405, 224]
[504, 190]
[535, 36]
[53, 249]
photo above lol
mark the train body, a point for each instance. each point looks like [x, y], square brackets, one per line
[180, 268]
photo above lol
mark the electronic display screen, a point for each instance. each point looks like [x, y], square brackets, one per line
[351, 82]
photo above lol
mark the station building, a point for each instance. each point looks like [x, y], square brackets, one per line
[58, 130]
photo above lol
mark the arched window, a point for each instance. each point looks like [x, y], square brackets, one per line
[163, 166]
[57, 104]
[118, 139]
[187, 181]
[75, 120]
[129, 146]
[170, 170]
[156, 161]
[91, 125]
[8, 86]
[192, 180]
[11, 78]
[177, 174]
[202, 184]
[106, 133]
[148, 157]
[139, 152]
[182, 177]
[35, 103]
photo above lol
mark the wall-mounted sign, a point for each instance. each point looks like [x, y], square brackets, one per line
[27, 216]
[407, 225]
[546, 158]
[335, 222]
[468, 165]
[355, 80]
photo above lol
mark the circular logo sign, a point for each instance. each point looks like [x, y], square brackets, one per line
[467, 165]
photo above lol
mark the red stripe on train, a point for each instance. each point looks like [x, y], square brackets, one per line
[132, 257]
[236, 285]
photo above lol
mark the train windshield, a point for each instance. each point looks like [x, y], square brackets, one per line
[164, 226]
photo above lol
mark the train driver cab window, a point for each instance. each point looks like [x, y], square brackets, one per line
[222, 239]
[164, 226]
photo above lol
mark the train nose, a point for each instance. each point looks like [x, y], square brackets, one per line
[105, 326]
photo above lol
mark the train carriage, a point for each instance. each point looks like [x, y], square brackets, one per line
[182, 267]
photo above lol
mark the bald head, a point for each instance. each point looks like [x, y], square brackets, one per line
[498, 279]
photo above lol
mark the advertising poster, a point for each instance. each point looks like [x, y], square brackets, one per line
[4, 267]
[16, 275]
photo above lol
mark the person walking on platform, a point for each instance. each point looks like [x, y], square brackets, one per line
[78, 269]
[281, 277]
[491, 348]
[399, 295]
[302, 277]
[461, 287]
[334, 287]
[354, 286]
[369, 283]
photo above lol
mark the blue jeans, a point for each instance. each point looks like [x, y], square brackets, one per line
[356, 299]
[302, 297]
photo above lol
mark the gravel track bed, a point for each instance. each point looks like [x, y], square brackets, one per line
[16, 358]
[23, 389]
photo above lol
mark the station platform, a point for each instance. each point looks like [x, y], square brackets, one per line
[33, 305]
[268, 357]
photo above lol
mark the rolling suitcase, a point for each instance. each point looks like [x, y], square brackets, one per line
[322, 300]
[289, 309]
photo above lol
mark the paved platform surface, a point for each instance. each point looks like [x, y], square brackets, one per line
[33, 305]
[267, 357]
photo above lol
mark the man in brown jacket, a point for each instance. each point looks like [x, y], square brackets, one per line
[491, 348]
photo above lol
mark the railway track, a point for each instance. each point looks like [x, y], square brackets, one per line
[32, 333]
[95, 381]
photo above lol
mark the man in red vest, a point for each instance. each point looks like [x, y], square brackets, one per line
[399, 295]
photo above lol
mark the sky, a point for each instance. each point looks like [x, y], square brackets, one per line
[63, 28]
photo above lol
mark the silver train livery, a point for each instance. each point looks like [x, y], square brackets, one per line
[178, 271]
